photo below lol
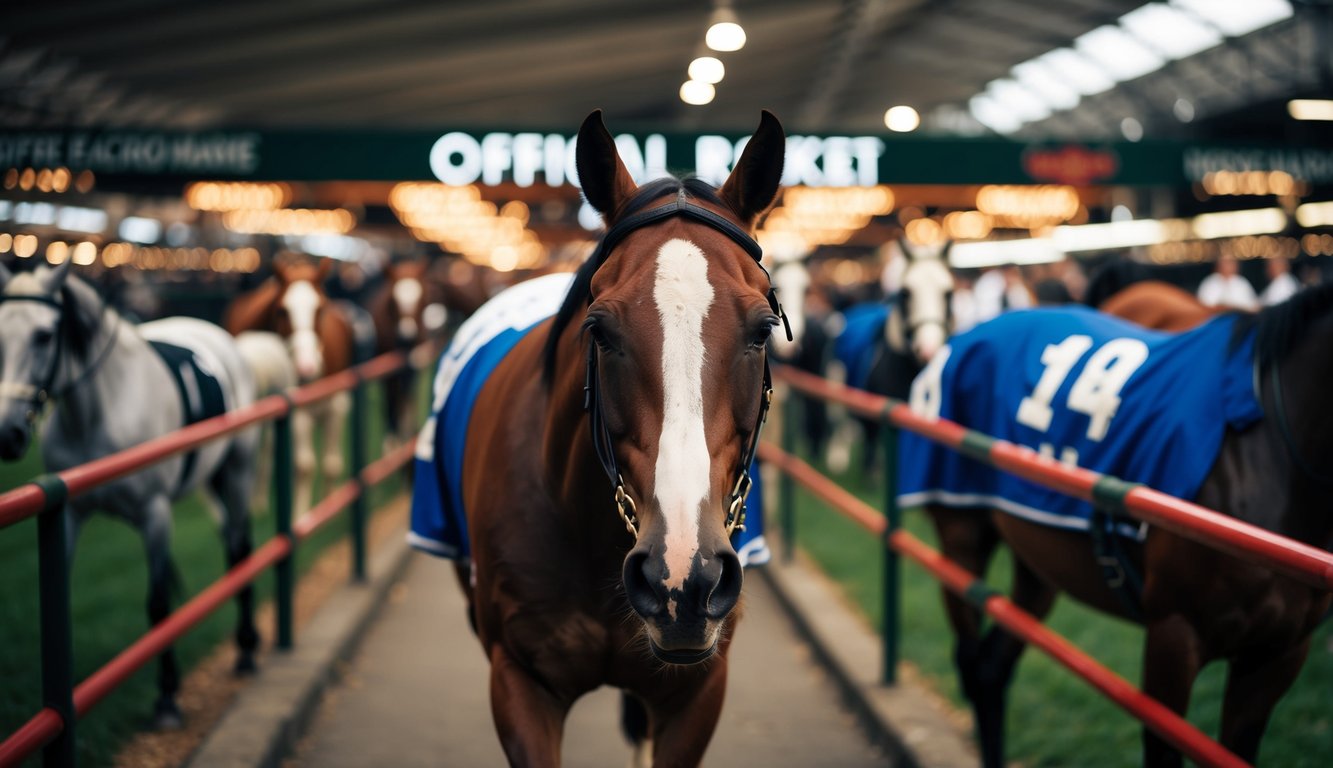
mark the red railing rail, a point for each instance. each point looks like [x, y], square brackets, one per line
[1170, 726]
[44, 496]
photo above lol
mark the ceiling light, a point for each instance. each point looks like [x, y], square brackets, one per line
[1037, 77]
[707, 69]
[1118, 53]
[1310, 109]
[697, 92]
[724, 30]
[1076, 70]
[1312, 215]
[902, 119]
[1131, 129]
[1022, 103]
[1169, 31]
[989, 113]
[1237, 17]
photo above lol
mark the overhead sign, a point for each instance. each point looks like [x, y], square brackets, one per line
[547, 158]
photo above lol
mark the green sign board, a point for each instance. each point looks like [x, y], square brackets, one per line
[535, 158]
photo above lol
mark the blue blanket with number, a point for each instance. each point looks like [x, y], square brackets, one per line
[1084, 388]
[439, 525]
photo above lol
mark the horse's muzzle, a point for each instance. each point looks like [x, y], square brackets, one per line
[13, 442]
[683, 622]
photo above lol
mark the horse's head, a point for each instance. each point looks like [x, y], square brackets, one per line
[922, 319]
[296, 313]
[679, 317]
[35, 331]
[415, 307]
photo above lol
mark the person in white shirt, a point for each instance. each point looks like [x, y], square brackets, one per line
[1281, 283]
[1000, 289]
[1227, 287]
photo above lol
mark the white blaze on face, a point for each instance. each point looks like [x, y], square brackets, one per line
[929, 282]
[683, 295]
[301, 302]
[407, 295]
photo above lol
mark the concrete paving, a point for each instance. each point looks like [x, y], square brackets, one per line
[415, 694]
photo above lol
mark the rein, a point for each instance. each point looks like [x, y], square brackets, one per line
[592, 401]
[38, 396]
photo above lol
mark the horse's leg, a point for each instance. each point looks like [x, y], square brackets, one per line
[303, 458]
[259, 490]
[997, 658]
[636, 726]
[1255, 683]
[967, 537]
[528, 718]
[232, 484]
[331, 463]
[684, 724]
[1172, 657]
[161, 572]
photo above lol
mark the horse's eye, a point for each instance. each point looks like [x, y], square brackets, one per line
[42, 336]
[759, 339]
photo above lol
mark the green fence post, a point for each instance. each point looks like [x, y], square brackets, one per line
[787, 486]
[358, 464]
[892, 563]
[57, 637]
[282, 513]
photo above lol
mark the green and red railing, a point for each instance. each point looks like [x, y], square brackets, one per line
[1308, 564]
[52, 728]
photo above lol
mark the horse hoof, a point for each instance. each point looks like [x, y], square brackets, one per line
[168, 717]
[245, 666]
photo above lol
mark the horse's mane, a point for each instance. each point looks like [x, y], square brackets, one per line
[580, 290]
[1280, 327]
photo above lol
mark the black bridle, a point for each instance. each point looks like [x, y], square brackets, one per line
[592, 401]
[41, 394]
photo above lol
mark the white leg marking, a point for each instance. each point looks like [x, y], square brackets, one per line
[683, 295]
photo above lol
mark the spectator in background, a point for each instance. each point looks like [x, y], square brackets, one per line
[1227, 287]
[1281, 283]
[1000, 289]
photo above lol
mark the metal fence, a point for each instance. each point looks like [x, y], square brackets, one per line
[1308, 564]
[52, 729]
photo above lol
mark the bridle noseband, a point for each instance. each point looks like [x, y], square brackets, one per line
[592, 401]
[38, 396]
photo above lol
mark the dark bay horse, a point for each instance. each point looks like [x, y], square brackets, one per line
[116, 385]
[322, 341]
[1271, 469]
[605, 460]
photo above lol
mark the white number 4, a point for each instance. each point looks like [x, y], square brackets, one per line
[1096, 391]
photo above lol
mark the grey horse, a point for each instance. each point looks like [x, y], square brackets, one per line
[112, 388]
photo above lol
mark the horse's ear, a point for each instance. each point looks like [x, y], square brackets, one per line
[54, 279]
[605, 181]
[753, 184]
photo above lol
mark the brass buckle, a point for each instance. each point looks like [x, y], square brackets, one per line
[628, 512]
[736, 513]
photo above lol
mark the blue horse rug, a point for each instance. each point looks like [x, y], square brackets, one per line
[856, 344]
[439, 524]
[1085, 388]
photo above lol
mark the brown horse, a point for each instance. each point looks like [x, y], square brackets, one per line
[662, 336]
[1197, 604]
[408, 309]
[321, 342]
[1158, 305]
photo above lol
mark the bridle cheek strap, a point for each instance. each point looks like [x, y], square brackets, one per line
[36, 396]
[592, 401]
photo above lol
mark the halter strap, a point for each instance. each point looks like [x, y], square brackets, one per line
[37, 396]
[592, 401]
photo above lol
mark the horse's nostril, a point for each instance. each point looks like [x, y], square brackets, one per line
[645, 590]
[727, 591]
